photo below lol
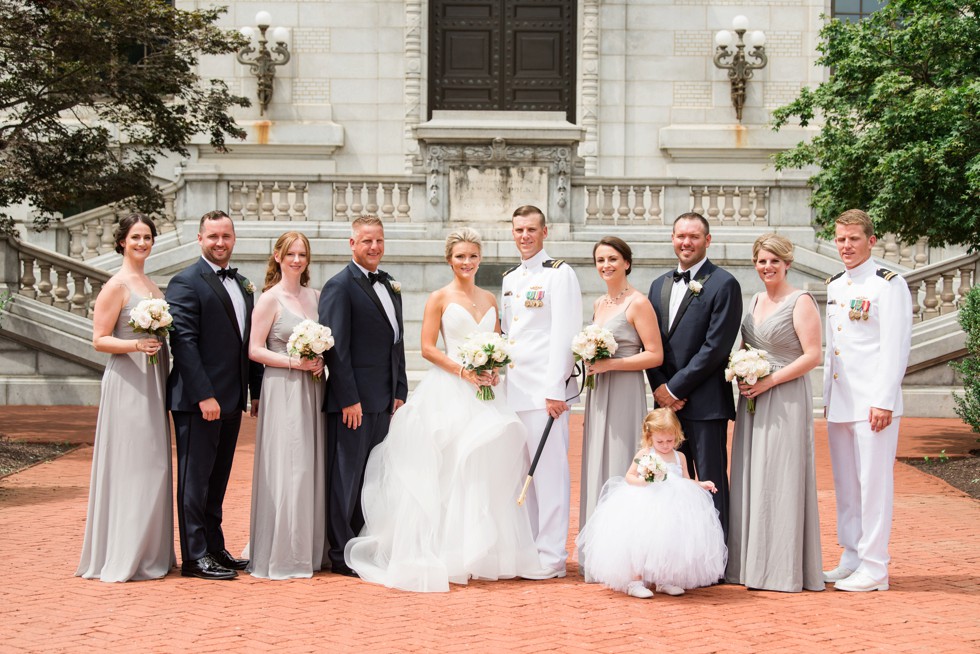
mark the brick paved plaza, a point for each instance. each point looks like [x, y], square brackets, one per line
[933, 604]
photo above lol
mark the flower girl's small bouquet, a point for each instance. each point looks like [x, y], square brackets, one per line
[309, 340]
[651, 467]
[483, 352]
[592, 344]
[749, 366]
[152, 316]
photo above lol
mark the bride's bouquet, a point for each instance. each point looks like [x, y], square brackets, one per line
[309, 340]
[484, 352]
[592, 344]
[651, 467]
[749, 366]
[152, 316]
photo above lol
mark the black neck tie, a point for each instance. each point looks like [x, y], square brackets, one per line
[686, 276]
[375, 277]
[227, 273]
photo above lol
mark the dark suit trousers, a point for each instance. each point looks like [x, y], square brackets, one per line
[205, 451]
[706, 449]
[349, 450]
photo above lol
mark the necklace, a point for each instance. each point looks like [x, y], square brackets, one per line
[609, 301]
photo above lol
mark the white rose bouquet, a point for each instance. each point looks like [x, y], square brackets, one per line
[309, 340]
[749, 366]
[651, 467]
[592, 344]
[484, 352]
[152, 316]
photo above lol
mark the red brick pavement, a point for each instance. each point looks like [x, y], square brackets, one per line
[933, 604]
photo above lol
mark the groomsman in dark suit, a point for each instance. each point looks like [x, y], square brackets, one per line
[207, 392]
[699, 307]
[366, 382]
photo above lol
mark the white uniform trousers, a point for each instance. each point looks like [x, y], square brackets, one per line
[549, 495]
[864, 463]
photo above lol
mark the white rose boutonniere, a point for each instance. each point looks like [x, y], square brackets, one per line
[695, 287]
[396, 286]
[247, 286]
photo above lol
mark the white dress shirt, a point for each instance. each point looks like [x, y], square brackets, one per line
[236, 294]
[677, 292]
[389, 306]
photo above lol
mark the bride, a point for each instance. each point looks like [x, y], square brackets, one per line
[440, 492]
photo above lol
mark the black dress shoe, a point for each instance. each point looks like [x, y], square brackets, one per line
[226, 560]
[206, 568]
[347, 572]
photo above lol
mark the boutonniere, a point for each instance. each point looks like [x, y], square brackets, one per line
[396, 286]
[247, 286]
[695, 287]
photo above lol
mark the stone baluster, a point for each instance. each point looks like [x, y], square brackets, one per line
[966, 283]
[746, 197]
[404, 206]
[931, 302]
[387, 207]
[921, 253]
[340, 202]
[916, 307]
[169, 222]
[905, 254]
[96, 285]
[891, 247]
[639, 206]
[357, 200]
[79, 301]
[878, 249]
[235, 201]
[282, 207]
[713, 209]
[75, 245]
[27, 278]
[61, 288]
[299, 206]
[698, 204]
[251, 200]
[607, 204]
[266, 205]
[623, 209]
[109, 222]
[373, 202]
[729, 211]
[656, 213]
[44, 283]
[948, 296]
[761, 210]
[591, 205]
[91, 239]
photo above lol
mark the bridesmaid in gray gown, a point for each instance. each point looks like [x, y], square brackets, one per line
[774, 531]
[615, 408]
[288, 492]
[129, 529]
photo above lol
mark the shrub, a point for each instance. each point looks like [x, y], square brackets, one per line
[968, 404]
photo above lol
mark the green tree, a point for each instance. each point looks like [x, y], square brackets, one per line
[968, 404]
[900, 115]
[93, 92]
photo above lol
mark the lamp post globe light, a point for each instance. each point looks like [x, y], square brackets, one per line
[263, 62]
[739, 67]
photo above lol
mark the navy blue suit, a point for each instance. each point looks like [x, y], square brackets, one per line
[365, 365]
[696, 351]
[210, 360]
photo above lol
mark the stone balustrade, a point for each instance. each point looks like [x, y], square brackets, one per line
[57, 280]
[938, 289]
[90, 232]
[911, 255]
[625, 202]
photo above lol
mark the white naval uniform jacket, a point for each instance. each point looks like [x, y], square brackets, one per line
[541, 311]
[865, 360]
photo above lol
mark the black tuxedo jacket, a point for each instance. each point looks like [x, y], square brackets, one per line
[698, 344]
[365, 364]
[210, 355]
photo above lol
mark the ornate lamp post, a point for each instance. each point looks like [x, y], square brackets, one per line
[739, 68]
[263, 63]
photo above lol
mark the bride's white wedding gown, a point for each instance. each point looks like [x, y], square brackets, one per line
[440, 493]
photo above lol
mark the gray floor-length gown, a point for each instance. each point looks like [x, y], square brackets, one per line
[129, 529]
[288, 478]
[774, 529]
[614, 412]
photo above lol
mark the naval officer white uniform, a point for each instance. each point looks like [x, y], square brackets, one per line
[541, 311]
[868, 335]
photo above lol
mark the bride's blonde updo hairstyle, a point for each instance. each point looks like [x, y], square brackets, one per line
[273, 272]
[463, 235]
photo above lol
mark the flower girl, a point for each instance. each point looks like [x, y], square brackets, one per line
[655, 527]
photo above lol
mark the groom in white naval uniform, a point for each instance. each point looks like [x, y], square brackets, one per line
[541, 311]
[869, 325]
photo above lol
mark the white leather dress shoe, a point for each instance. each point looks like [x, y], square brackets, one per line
[667, 589]
[638, 590]
[838, 573]
[543, 573]
[860, 582]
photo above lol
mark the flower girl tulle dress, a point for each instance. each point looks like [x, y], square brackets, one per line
[439, 497]
[666, 532]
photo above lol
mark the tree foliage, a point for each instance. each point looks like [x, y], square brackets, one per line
[901, 121]
[968, 404]
[93, 92]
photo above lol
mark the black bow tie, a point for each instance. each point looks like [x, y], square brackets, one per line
[375, 277]
[686, 276]
[227, 273]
